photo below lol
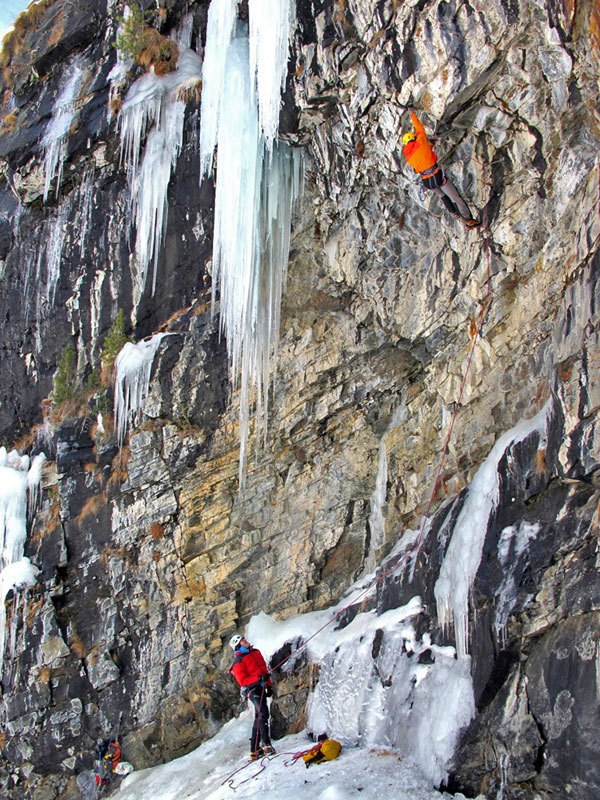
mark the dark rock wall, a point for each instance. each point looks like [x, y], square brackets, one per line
[149, 556]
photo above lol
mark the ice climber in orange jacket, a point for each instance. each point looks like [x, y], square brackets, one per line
[420, 155]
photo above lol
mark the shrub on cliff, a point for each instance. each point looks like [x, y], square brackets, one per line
[145, 45]
[15, 44]
[65, 378]
[113, 344]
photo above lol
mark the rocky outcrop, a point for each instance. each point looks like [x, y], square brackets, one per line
[400, 330]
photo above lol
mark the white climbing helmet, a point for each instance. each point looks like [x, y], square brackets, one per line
[235, 640]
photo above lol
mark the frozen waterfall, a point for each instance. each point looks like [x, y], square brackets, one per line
[19, 482]
[463, 556]
[270, 27]
[380, 684]
[220, 27]
[258, 182]
[151, 125]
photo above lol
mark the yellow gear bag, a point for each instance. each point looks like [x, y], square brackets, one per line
[326, 750]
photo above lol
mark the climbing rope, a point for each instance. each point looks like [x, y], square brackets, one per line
[475, 328]
[230, 779]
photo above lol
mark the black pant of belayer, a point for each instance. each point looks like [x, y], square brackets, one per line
[260, 729]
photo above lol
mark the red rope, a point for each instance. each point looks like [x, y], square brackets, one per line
[229, 780]
[417, 547]
[264, 761]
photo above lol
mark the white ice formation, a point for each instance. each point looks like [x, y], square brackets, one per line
[55, 138]
[151, 126]
[19, 490]
[133, 368]
[258, 182]
[463, 556]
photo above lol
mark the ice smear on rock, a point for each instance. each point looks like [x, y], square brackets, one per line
[54, 140]
[133, 368]
[19, 491]
[463, 555]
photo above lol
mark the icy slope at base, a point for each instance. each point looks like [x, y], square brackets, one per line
[207, 773]
[372, 761]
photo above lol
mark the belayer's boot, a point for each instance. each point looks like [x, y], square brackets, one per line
[268, 750]
[256, 754]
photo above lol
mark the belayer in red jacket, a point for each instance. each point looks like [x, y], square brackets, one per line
[422, 158]
[252, 674]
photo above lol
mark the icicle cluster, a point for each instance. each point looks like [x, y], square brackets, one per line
[57, 130]
[463, 556]
[151, 124]
[379, 496]
[19, 489]
[133, 367]
[258, 181]
[270, 26]
[42, 266]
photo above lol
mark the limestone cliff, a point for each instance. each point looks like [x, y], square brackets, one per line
[405, 340]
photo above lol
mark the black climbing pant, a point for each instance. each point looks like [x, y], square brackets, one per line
[260, 729]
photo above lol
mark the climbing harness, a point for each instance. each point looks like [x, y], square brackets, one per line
[433, 177]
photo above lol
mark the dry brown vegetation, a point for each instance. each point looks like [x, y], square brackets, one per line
[158, 51]
[44, 675]
[51, 521]
[91, 507]
[14, 44]
[76, 406]
[34, 608]
[77, 647]
[190, 91]
[541, 466]
[9, 122]
[157, 530]
[119, 472]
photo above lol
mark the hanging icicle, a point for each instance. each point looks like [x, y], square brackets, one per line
[151, 124]
[258, 182]
[220, 27]
[133, 368]
[56, 135]
[270, 29]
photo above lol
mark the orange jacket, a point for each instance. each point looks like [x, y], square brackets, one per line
[419, 154]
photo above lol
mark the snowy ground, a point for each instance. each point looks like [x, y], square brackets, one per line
[219, 770]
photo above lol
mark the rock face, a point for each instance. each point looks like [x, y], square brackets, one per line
[406, 340]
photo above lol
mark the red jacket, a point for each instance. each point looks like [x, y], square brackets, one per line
[419, 154]
[248, 668]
